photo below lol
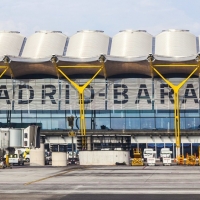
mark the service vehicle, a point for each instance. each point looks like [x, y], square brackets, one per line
[16, 159]
[27, 158]
[2, 162]
[147, 153]
[162, 153]
[151, 159]
[26, 154]
[73, 161]
[166, 157]
[48, 158]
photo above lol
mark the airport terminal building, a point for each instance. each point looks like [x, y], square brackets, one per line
[128, 97]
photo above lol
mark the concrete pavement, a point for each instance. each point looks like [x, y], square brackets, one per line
[59, 182]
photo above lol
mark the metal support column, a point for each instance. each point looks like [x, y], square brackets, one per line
[81, 90]
[176, 89]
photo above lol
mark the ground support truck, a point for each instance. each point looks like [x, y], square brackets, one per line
[151, 160]
[166, 156]
[149, 156]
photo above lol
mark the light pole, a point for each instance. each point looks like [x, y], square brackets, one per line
[71, 134]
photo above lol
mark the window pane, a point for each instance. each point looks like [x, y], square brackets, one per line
[16, 120]
[163, 123]
[151, 145]
[132, 123]
[27, 113]
[191, 113]
[146, 113]
[162, 113]
[58, 123]
[103, 113]
[132, 113]
[43, 113]
[29, 120]
[118, 113]
[118, 123]
[77, 123]
[159, 146]
[102, 121]
[58, 113]
[142, 146]
[186, 149]
[147, 123]
[3, 120]
[195, 149]
[46, 123]
[16, 113]
[170, 145]
[3, 113]
[191, 123]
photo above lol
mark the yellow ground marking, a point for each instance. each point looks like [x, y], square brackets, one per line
[55, 175]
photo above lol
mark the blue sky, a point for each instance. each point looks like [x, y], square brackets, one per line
[111, 16]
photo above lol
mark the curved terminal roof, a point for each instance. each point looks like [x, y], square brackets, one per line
[126, 53]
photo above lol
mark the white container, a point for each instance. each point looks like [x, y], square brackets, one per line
[16, 138]
[87, 43]
[10, 43]
[131, 43]
[5, 137]
[44, 43]
[37, 157]
[103, 157]
[175, 43]
[59, 159]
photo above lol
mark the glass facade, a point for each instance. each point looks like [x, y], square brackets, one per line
[124, 120]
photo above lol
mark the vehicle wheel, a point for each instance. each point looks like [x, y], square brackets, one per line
[27, 160]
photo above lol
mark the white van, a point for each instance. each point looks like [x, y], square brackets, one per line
[16, 159]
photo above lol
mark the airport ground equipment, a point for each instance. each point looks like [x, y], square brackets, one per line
[198, 157]
[137, 160]
[147, 153]
[166, 157]
[2, 163]
[151, 160]
[15, 138]
[26, 154]
[162, 153]
[191, 160]
[16, 159]
[180, 160]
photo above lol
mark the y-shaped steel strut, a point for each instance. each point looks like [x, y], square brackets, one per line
[176, 89]
[81, 90]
